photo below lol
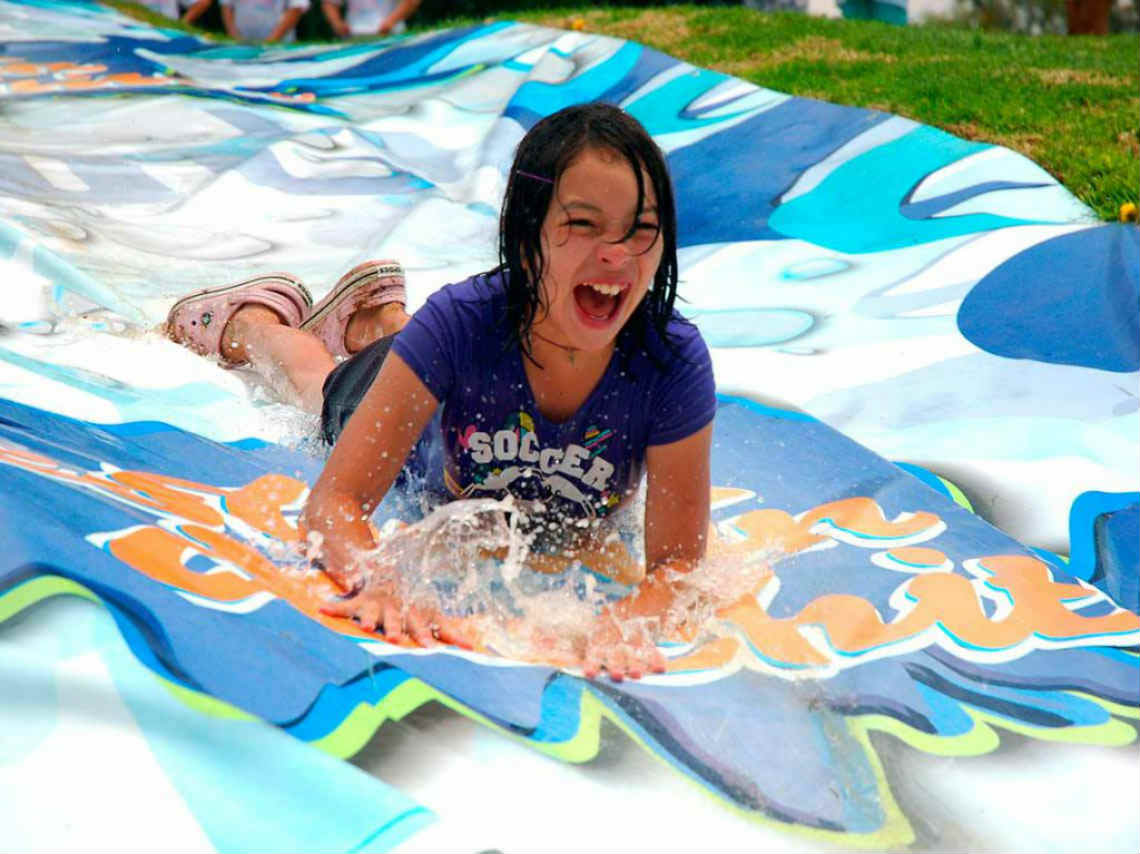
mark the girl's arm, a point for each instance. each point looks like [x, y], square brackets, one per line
[676, 533]
[677, 502]
[359, 472]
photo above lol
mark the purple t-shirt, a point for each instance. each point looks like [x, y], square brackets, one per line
[496, 441]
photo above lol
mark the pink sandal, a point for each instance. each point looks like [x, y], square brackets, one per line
[198, 320]
[368, 285]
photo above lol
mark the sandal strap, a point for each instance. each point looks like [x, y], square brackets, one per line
[368, 285]
[281, 300]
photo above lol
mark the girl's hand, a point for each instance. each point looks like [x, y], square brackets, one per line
[379, 610]
[349, 581]
[620, 653]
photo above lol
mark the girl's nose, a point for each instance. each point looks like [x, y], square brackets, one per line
[613, 253]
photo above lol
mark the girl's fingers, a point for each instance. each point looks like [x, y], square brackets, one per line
[339, 608]
[617, 663]
[449, 632]
[368, 615]
[393, 623]
[648, 660]
[623, 661]
[591, 665]
[374, 612]
[420, 628]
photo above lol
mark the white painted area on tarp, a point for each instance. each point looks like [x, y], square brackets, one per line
[1069, 798]
[92, 784]
[491, 792]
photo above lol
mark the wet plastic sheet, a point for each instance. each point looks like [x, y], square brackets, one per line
[911, 289]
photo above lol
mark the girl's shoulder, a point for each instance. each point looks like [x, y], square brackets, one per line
[483, 291]
[455, 333]
[683, 333]
[678, 345]
[462, 321]
[472, 306]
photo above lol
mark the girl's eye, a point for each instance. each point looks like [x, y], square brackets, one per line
[646, 225]
[580, 223]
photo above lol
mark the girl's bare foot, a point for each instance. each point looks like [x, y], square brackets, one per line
[369, 324]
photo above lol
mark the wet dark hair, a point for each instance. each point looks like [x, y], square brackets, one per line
[541, 158]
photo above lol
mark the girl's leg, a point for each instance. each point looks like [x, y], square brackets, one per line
[294, 362]
[270, 322]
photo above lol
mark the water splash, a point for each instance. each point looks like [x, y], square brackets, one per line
[481, 561]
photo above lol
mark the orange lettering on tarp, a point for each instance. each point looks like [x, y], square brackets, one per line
[80, 83]
[166, 494]
[133, 78]
[28, 460]
[918, 556]
[162, 494]
[729, 495]
[81, 70]
[773, 529]
[30, 87]
[716, 653]
[22, 69]
[13, 67]
[778, 641]
[259, 504]
[852, 626]
[1039, 601]
[295, 97]
[864, 516]
[157, 553]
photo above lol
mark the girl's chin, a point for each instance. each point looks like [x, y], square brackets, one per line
[593, 337]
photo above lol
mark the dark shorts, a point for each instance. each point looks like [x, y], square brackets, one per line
[347, 383]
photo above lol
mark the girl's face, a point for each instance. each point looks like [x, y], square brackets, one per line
[592, 282]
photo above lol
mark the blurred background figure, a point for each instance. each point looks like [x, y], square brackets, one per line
[172, 9]
[196, 10]
[262, 20]
[369, 17]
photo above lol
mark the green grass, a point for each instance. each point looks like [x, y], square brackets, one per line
[1072, 104]
[1069, 103]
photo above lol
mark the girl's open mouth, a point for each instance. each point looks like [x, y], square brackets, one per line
[599, 302]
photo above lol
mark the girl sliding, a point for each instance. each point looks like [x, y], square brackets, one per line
[559, 378]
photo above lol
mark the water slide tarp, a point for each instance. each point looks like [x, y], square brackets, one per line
[873, 289]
